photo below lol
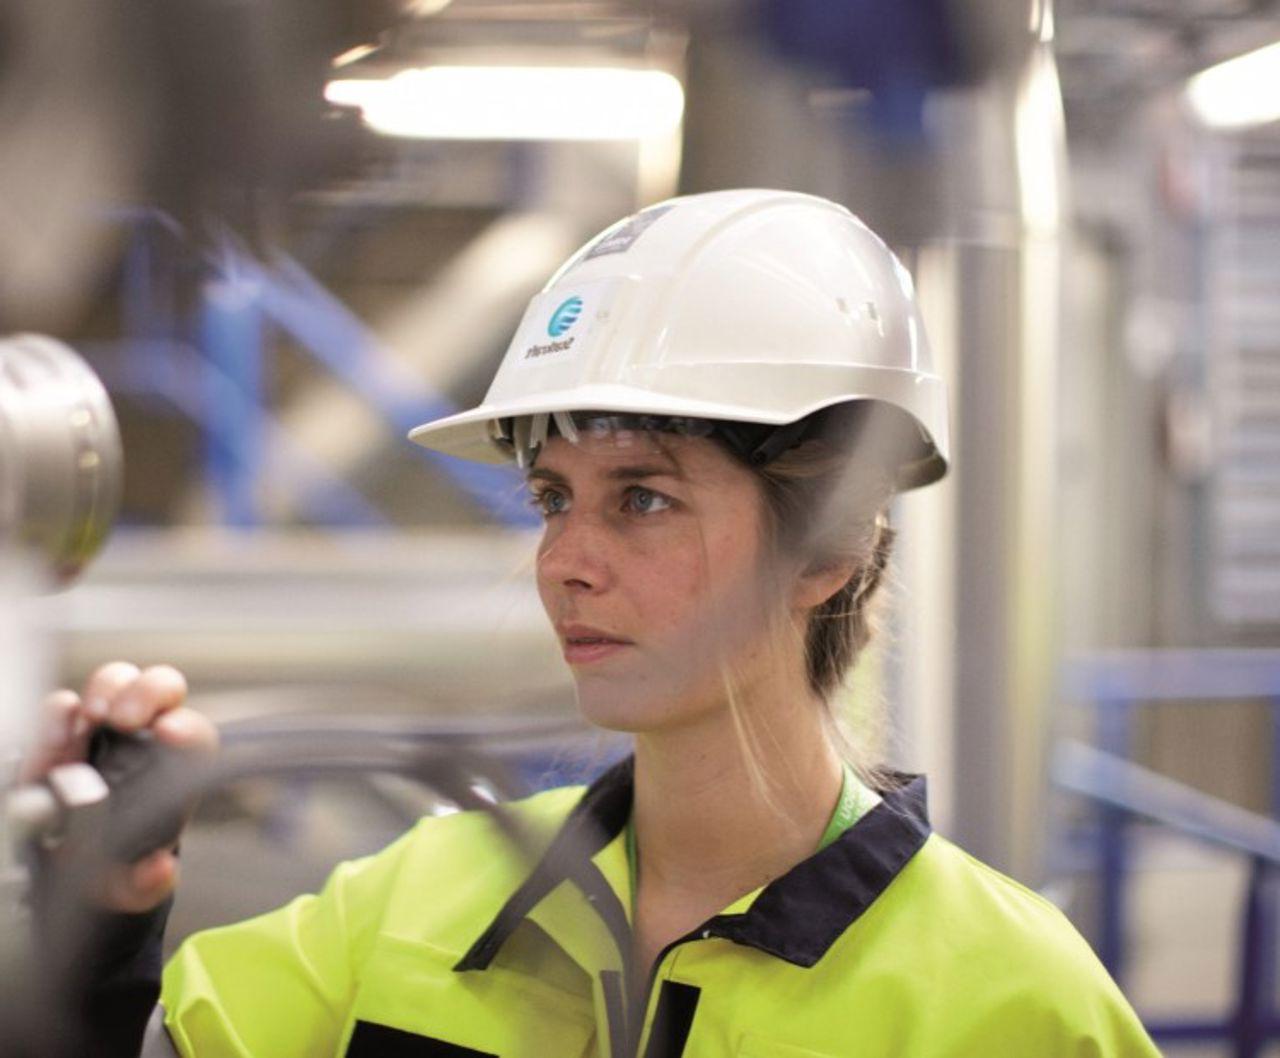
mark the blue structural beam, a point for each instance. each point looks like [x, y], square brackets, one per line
[1121, 786]
[324, 327]
[1140, 791]
[1115, 733]
[329, 498]
[1117, 682]
[149, 304]
[1172, 675]
[243, 300]
[230, 333]
[211, 370]
[1258, 962]
[1275, 755]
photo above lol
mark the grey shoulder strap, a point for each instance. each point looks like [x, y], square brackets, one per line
[156, 1041]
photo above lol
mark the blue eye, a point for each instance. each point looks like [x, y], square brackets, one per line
[640, 500]
[550, 501]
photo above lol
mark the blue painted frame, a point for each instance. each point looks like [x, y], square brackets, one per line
[211, 369]
[1117, 684]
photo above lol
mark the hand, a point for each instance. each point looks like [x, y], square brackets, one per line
[128, 699]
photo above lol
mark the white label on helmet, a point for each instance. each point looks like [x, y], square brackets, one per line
[558, 324]
[620, 239]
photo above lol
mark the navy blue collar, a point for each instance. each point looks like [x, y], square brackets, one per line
[797, 916]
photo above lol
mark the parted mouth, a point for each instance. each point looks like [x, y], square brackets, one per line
[586, 635]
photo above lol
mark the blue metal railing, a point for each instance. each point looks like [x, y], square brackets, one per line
[243, 303]
[1117, 684]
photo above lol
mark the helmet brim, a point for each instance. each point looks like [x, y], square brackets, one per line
[472, 435]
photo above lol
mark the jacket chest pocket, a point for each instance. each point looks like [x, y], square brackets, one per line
[412, 1004]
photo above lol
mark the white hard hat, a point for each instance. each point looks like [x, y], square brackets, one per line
[751, 306]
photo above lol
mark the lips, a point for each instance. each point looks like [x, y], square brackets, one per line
[583, 644]
[571, 633]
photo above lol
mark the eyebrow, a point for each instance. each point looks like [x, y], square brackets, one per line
[624, 473]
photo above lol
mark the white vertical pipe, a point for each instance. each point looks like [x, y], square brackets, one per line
[979, 561]
[925, 562]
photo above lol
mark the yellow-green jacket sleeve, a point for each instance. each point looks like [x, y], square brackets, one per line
[281, 983]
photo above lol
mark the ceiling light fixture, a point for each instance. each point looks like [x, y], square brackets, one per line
[517, 102]
[1239, 92]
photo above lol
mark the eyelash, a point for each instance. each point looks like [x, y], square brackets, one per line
[538, 499]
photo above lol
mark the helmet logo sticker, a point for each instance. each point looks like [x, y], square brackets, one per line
[565, 316]
[558, 325]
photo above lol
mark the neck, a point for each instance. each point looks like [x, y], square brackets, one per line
[703, 829]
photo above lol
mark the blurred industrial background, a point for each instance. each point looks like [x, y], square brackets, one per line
[285, 231]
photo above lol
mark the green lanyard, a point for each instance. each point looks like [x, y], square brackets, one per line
[850, 807]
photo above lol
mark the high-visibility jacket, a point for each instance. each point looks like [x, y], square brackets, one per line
[890, 941]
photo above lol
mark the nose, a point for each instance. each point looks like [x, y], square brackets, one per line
[573, 554]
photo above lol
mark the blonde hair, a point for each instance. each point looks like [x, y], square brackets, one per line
[805, 508]
[816, 503]
[825, 505]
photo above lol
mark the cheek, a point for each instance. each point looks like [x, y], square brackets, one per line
[704, 591]
[669, 591]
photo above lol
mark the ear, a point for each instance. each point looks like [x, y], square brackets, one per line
[817, 584]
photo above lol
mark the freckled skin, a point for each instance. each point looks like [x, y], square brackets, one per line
[675, 562]
[678, 575]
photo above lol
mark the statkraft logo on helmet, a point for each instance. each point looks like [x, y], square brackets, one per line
[565, 316]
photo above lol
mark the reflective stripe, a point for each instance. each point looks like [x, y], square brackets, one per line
[156, 1041]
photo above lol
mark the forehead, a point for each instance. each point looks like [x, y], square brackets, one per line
[638, 453]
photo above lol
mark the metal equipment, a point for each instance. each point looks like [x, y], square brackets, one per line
[61, 465]
[60, 481]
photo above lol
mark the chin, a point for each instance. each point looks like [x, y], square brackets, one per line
[615, 706]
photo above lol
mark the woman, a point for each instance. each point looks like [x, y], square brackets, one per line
[713, 402]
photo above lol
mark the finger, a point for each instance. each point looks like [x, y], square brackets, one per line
[102, 687]
[63, 724]
[140, 886]
[156, 690]
[184, 728]
[62, 731]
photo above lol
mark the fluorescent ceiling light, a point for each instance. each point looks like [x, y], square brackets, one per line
[517, 102]
[1239, 92]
